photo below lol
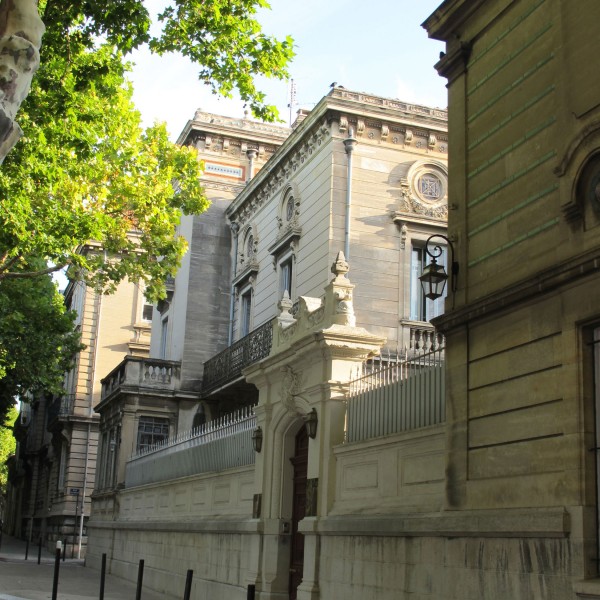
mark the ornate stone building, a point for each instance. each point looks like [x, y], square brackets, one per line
[255, 312]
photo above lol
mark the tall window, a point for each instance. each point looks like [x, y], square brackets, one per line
[151, 430]
[164, 332]
[246, 313]
[421, 308]
[286, 274]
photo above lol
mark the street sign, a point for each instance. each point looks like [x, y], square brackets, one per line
[74, 491]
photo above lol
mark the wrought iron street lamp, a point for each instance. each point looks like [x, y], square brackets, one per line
[257, 439]
[310, 422]
[434, 276]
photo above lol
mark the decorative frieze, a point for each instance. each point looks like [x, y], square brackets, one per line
[412, 109]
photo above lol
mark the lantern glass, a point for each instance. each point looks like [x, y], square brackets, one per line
[257, 439]
[433, 280]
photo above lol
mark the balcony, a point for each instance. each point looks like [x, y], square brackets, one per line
[60, 408]
[142, 374]
[227, 366]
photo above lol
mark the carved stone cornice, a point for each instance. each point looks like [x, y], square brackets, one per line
[375, 118]
[248, 272]
[387, 103]
[241, 124]
[454, 63]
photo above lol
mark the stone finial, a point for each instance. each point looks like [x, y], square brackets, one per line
[285, 306]
[341, 292]
[340, 267]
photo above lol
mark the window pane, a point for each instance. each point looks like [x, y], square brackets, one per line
[246, 314]
[151, 430]
[286, 277]
[421, 308]
[147, 312]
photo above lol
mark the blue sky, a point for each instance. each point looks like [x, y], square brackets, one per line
[377, 47]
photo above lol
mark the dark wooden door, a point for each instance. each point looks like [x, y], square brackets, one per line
[300, 463]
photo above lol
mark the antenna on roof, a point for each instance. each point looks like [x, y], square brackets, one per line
[292, 99]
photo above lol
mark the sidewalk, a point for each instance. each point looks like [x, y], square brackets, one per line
[26, 580]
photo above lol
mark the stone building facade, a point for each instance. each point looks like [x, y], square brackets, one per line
[522, 428]
[53, 475]
[358, 173]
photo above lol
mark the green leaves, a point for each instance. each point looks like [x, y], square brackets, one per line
[37, 340]
[227, 43]
[85, 171]
[221, 36]
[85, 187]
[7, 444]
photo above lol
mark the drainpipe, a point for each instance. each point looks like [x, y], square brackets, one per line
[349, 143]
[235, 228]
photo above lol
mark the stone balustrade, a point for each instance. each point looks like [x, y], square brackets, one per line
[152, 373]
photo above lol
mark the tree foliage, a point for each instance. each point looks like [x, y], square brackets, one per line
[7, 445]
[222, 37]
[85, 171]
[85, 187]
[37, 340]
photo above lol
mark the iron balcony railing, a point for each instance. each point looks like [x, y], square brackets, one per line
[228, 365]
[61, 407]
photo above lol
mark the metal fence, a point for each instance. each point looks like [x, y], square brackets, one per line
[394, 395]
[221, 444]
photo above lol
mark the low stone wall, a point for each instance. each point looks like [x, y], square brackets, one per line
[441, 568]
[225, 494]
[395, 473]
[217, 551]
[202, 522]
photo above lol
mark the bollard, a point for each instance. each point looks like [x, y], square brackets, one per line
[138, 591]
[0, 535]
[188, 585]
[40, 550]
[27, 549]
[64, 549]
[56, 569]
[102, 576]
[251, 591]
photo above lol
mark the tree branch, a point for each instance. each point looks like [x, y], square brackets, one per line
[7, 264]
[31, 274]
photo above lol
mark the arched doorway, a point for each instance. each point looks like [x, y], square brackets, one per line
[300, 466]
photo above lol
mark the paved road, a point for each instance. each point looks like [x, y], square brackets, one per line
[26, 580]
